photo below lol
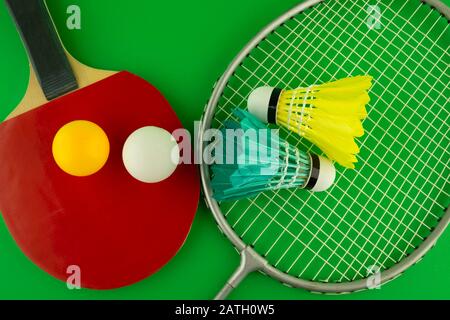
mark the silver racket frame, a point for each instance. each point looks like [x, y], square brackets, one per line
[250, 260]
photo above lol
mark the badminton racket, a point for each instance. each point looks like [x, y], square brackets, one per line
[386, 214]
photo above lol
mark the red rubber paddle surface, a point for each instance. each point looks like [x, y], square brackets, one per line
[116, 229]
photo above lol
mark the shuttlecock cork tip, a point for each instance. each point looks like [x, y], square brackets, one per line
[323, 174]
[262, 103]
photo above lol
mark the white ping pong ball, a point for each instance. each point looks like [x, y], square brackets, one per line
[151, 154]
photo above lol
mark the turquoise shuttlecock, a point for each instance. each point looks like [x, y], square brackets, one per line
[252, 158]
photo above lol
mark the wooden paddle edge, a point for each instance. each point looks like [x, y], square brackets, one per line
[34, 96]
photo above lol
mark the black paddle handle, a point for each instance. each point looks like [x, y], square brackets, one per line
[44, 48]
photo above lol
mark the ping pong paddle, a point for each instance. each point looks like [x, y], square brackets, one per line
[116, 229]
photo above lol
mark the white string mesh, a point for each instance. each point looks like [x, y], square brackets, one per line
[380, 212]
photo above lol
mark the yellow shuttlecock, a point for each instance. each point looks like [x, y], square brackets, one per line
[329, 115]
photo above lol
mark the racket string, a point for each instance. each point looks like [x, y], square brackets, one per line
[402, 229]
[343, 257]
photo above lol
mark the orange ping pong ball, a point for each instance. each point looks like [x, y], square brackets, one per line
[80, 148]
[151, 154]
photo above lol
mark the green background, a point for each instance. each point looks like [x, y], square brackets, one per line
[181, 47]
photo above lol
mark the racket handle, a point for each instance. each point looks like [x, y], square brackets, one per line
[223, 294]
[44, 47]
[250, 261]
